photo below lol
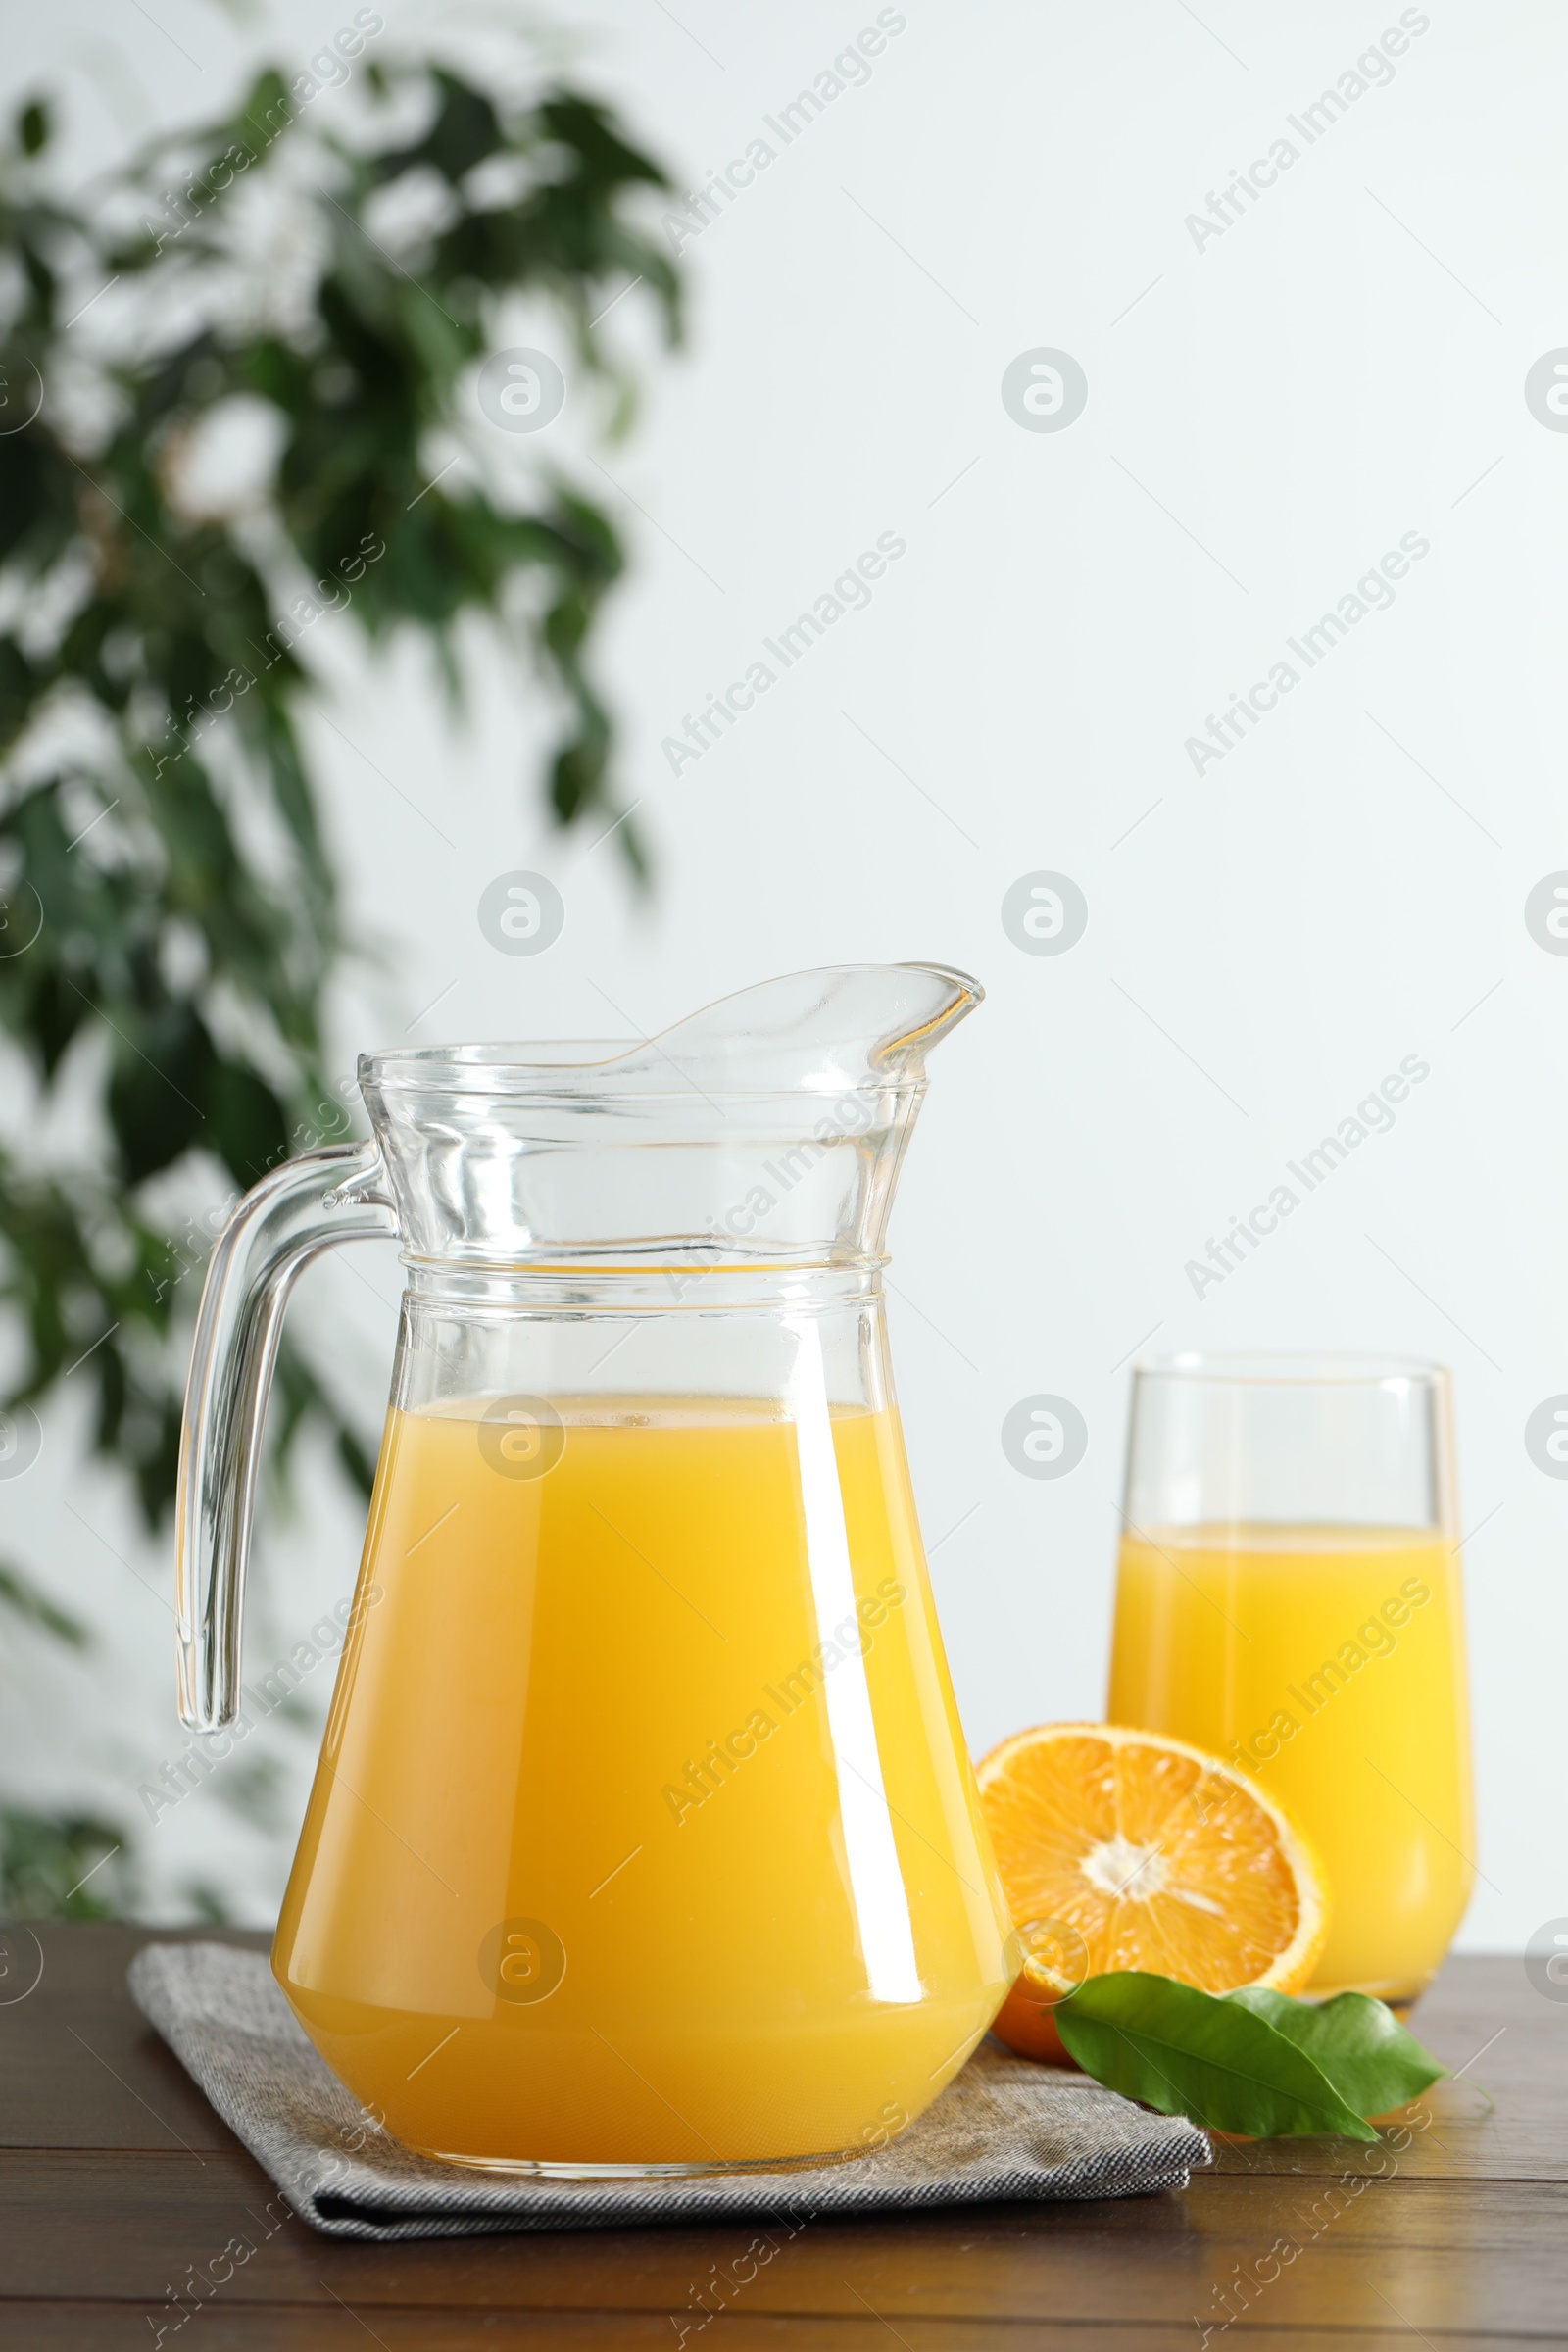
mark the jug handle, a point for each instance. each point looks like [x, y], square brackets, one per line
[298, 1211]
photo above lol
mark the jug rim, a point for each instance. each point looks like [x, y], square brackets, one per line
[578, 1063]
[474, 1070]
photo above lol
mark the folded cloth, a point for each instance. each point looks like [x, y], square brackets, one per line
[1005, 2128]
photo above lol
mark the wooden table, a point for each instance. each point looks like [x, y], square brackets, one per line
[117, 2180]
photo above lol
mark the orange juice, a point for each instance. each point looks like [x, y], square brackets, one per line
[696, 1652]
[1328, 1660]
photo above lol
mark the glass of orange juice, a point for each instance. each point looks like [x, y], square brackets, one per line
[1288, 1597]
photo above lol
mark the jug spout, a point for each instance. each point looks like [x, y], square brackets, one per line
[768, 1127]
[821, 1032]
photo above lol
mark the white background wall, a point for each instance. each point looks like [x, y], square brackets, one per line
[1266, 416]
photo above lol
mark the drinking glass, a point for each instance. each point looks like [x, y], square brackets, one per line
[1288, 1597]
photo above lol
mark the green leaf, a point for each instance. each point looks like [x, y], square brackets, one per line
[357, 1463]
[245, 1122]
[1191, 2053]
[156, 1089]
[19, 1594]
[1357, 2042]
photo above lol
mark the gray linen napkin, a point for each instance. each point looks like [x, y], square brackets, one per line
[1006, 2128]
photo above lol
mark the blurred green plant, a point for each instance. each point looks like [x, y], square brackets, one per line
[64, 1866]
[169, 914]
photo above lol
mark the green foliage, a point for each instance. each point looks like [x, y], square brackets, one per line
[22, 1596]
[1372, 2061]
[1254, 2063]
[70, 1868]
[169, 913]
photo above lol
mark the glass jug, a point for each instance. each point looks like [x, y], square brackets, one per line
[644, 1836]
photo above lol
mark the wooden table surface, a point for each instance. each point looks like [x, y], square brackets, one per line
[118, 2184]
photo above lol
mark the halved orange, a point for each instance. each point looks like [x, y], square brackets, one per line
[1122, 1849]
